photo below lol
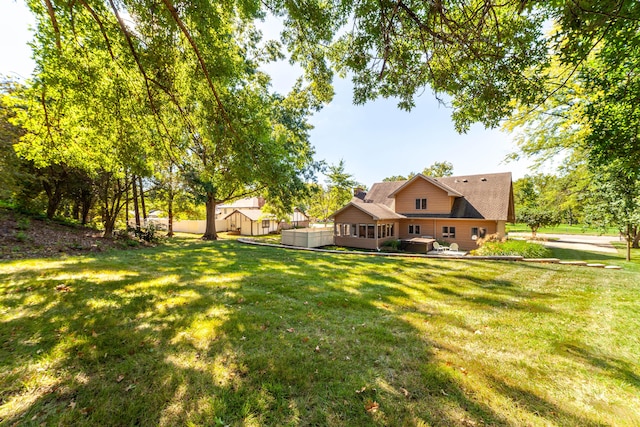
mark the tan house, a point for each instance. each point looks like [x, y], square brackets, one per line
[458, 209]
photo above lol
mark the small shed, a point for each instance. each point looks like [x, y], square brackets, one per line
[308, 237]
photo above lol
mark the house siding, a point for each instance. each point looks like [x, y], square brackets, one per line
[353, 215]
[463, 231]
[438, 202]
[432, 227]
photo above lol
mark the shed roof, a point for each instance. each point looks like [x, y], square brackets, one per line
[252, 214]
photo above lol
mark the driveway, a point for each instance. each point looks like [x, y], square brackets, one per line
[580, 242]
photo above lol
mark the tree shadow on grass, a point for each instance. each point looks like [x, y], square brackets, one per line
[605, 363]
[223, 334]
[542, 408]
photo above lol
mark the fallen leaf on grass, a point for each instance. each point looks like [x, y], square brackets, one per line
[63, 288]
[405, 391]
[130, 387]
[120, 378]
[371, 406]
[72, 404]
[317, 350]
[94, 334]
[291, 330]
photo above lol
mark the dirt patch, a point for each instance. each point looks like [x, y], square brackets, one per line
[25, 237]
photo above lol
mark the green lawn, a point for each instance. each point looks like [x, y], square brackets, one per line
[563, 229]
[221, 333]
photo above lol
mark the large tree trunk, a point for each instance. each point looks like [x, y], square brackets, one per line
[144, 209]
[86, 203]
[136, 208]
[170, 212]
[75, 212]
[170, 221]
[636, 238]
[54, 196]
[629, 239]
[111, 193]
[126, 203]
[210, 230]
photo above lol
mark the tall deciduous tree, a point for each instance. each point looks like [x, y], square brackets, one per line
[615, 201]
[438, 169]
[11, 167]
[533, 205]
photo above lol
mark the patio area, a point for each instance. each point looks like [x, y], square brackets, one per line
[448, 253]
[430, 246]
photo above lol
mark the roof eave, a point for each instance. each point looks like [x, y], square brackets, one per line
[450, 191]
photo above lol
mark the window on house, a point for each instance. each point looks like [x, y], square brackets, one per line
[362, 230]
[265, 223]
[421, 204]
[449, 232]
[414, 229]
[371, 231]
[354, 230]
[478, 232]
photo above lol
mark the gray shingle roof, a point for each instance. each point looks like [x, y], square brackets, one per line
[484, 196]
[380, 192]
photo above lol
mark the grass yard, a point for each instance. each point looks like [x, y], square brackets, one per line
[221, 333]
[563, 229]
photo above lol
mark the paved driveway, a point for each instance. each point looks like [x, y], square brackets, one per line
[579, 242]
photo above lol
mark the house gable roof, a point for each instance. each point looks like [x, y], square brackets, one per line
[487, 196]
[377, 211]
[450, 191]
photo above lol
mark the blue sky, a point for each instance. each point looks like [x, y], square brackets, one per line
[375, 140]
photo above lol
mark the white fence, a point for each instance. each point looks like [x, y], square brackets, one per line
[187, 226]
[308, 237]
